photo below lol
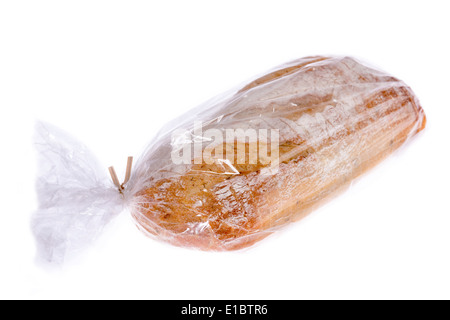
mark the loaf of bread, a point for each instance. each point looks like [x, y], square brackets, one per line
[335, 118]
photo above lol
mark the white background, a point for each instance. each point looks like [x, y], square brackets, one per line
[112, 72]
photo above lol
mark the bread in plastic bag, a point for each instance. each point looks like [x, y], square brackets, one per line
[232, 171]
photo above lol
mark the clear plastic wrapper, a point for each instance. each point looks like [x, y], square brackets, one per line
[236, 168]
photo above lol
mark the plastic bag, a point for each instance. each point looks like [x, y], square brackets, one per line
[76, 196]
[237, 168]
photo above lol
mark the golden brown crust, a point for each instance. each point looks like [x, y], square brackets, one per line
[348, 121]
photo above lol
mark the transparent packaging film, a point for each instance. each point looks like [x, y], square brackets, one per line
[238, 167]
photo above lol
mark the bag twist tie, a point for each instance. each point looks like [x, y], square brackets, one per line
[112, 172]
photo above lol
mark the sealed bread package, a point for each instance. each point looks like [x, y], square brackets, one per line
[239, 167]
